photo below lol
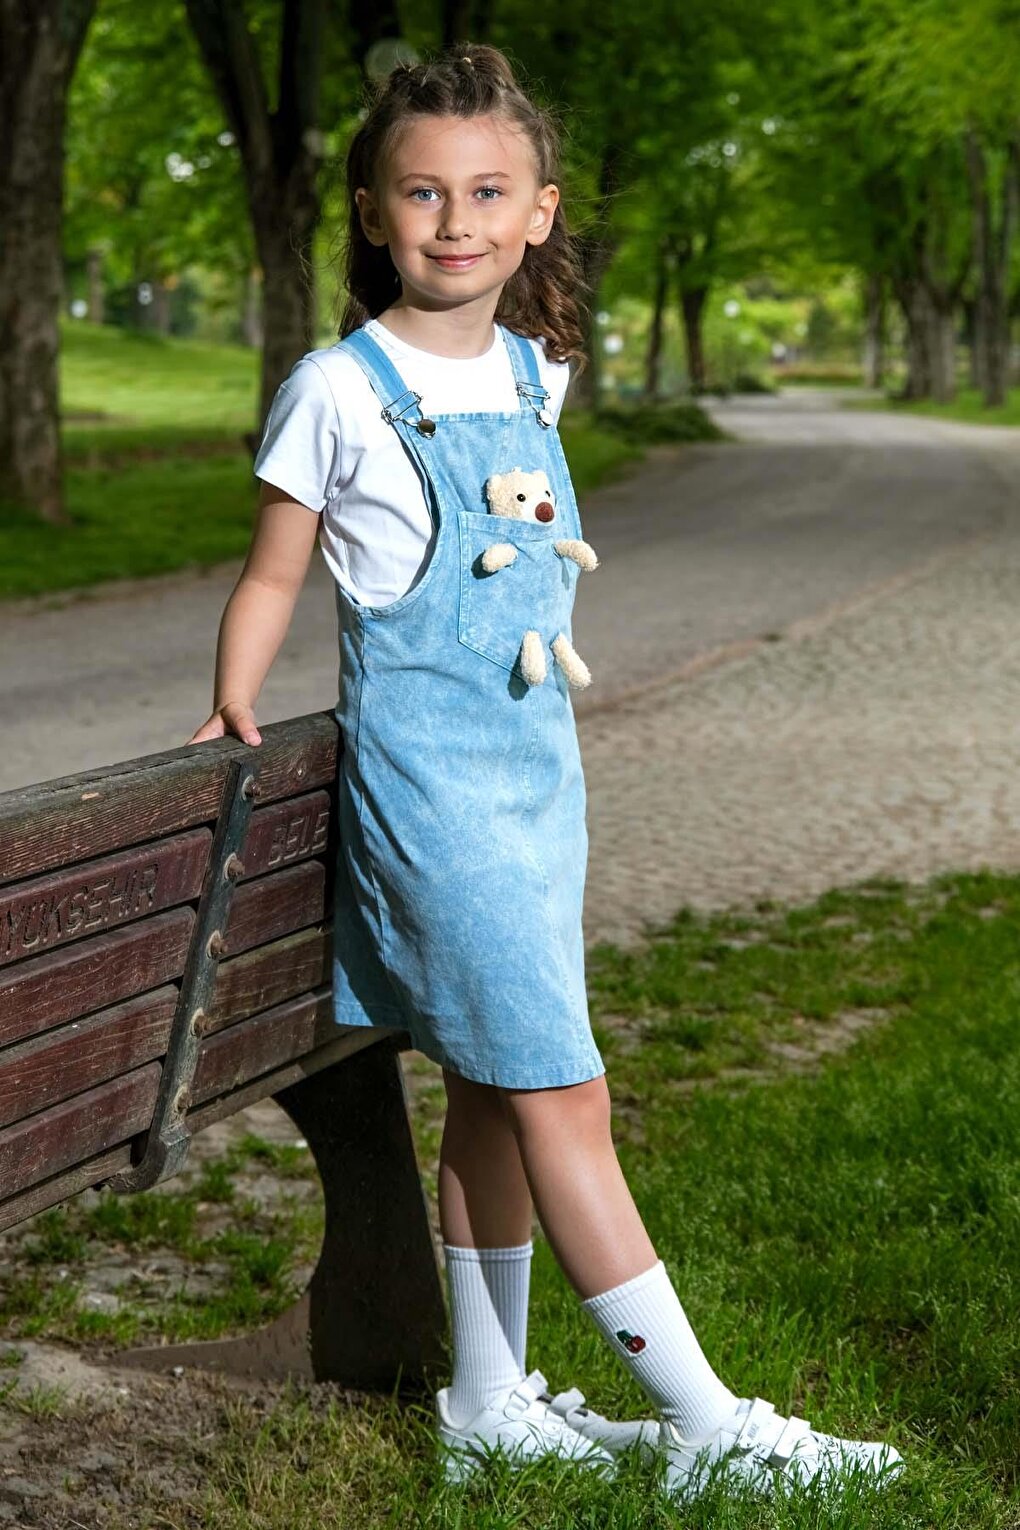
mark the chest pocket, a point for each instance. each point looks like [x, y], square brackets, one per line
[535, 591]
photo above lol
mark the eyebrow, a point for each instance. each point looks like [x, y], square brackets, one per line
[482, 175]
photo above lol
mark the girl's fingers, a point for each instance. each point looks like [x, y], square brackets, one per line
[234, 719]
[241, 720]
[211, 729]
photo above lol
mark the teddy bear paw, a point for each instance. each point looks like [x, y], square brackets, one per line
[573, 666]
[498, 555]
[582, 553]
[532, 658]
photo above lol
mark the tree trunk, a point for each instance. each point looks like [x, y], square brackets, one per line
[873, 360]
[991, 260]
[944, 347]
[910, 296]
[370, 22]
[94, 277]
[595, 251]
[653, 358]
[466, 21]
[280, 152]
[931, 341]
[160, 308]
[692, 304]
[975, 379]
[39, 47]
[251, 309]
[586, 387]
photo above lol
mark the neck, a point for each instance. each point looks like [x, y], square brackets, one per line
[459, 333]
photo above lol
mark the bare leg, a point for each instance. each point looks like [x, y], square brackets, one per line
[501, 1148]
[484, 1201]
[584, 1205]
[556, 1143]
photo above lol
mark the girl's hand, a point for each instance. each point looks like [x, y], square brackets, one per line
[233, 717]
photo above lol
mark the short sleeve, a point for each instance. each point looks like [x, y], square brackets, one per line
[555, 376]
[300, 450]
[561, 374]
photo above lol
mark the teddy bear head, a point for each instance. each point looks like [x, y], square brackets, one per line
[521, 496]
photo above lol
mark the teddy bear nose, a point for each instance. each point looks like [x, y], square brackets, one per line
[544, 511]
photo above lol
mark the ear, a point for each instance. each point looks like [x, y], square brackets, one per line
[368, 212]
[542, 214]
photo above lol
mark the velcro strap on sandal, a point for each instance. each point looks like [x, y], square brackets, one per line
[754, 1433]
[524, 1394]
[795, 1431]
[565, 1402]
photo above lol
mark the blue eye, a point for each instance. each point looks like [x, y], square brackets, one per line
[497, 189]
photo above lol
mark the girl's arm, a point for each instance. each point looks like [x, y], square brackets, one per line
[258, 612]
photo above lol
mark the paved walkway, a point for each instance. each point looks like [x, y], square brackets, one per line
[880, 738]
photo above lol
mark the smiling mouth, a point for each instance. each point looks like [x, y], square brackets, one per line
[455, 260]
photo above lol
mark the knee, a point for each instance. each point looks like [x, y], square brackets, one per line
[574, 1111]
[471, 1104]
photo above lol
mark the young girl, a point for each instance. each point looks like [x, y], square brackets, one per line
[461, 796]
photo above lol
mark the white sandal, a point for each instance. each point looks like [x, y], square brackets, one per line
[519, 1424]
[758, 1446]
[614, 1435]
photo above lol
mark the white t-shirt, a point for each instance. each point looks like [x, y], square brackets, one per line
[326, 443]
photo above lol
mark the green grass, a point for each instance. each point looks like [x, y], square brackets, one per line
[256, 1252]
[968, 407]
[161, 480]
[843, 1227]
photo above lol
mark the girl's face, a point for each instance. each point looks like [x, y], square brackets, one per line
[457, 203]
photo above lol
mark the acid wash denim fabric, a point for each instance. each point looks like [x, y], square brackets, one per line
[461, 797]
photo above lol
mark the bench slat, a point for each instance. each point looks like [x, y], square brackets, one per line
[287, 832]
[72, 818]
[45, 991]
[53, 910]
[61, 1064]
[78, 1128]
[59, 1187]
[276, 905]
[233, 1056]
[269, 974]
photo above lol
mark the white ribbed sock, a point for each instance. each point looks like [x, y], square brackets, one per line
[488, 1291]
[647, 1327]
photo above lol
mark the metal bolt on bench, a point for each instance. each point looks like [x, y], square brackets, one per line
[165, 961]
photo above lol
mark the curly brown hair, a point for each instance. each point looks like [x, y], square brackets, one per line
[470, 79]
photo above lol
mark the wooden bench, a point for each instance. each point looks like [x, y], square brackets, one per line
[165, 960]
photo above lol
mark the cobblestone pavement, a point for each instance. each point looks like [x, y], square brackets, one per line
[879, 738]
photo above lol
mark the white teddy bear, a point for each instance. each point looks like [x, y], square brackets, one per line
[527, 497]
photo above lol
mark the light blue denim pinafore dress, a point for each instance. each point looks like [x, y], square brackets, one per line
[461, 798]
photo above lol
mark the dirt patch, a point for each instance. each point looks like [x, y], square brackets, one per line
[85, 1445]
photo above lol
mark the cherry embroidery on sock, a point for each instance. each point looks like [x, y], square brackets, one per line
[632, 1341]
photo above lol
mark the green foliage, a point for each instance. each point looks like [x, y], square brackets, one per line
[653, 423]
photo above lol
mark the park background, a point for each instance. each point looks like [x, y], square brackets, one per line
[817, 1105]
[791, 190]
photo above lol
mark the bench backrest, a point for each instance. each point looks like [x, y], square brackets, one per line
[165, 955]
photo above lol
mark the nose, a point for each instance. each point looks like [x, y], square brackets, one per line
[544, 511]
[454, 224]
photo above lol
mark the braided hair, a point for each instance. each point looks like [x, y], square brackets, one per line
[470, 79]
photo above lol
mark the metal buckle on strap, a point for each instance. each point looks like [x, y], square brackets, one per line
[391, 414]
[533, 391]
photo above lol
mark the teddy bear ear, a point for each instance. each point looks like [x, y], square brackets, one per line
[494, 481]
